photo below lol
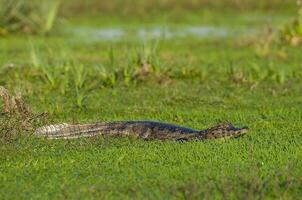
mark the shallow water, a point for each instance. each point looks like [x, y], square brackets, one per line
[115, 34]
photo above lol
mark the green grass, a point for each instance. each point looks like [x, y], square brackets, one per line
[192, 82]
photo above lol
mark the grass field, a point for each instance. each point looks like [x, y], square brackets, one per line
[244, 78]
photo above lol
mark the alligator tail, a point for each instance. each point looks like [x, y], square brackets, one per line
[68, 131]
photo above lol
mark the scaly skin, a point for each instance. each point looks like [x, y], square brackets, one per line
[148, 130]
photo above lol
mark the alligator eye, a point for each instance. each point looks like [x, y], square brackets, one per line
[182, 140]
[230, 133]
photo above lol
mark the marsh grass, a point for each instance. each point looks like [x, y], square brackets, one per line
[132, 66]
[256, 74]
[29, 17]
[292, 32]
[138, 8]
[273, 41]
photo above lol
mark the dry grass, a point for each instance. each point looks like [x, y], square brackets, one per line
[16, 117]
[13, 104]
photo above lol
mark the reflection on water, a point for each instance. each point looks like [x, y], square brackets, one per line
[113, 34]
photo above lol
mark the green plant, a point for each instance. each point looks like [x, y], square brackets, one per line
[292, 32]
[28, 16]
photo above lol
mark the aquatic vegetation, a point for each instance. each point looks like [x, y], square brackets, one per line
[292, 32]
[28, 16]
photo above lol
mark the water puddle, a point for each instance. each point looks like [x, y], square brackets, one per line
[115, 34]
[94, 34]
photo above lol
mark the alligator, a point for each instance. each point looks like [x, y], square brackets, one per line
[147, 130]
